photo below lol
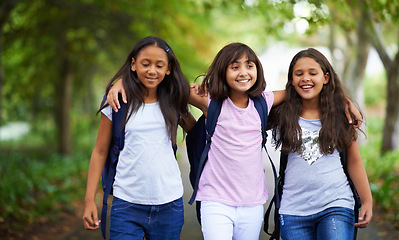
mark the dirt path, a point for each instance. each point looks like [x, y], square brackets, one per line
[69, 226]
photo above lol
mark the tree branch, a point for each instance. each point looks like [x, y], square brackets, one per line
[377, 41]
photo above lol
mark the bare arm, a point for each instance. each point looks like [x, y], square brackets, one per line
[112, 96]
[97, 161]
[358, 175]
[279, 97]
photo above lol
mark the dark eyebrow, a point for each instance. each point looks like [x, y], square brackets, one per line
[247, 61]
[160, 60]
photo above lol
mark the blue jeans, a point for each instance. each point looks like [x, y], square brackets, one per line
[335, 223]
[155, 222]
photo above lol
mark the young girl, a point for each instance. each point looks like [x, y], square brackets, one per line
[311, 127]
[232, 187]
[148, 188]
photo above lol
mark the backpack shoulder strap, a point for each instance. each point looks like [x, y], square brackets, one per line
[344, 163]
[261, 107]
[275, 234]
[358, 202]
[108, 175]
[215, 106]
[213, 113]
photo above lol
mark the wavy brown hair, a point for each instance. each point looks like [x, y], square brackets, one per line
[335, 133]
[173, 92]
[215, 78]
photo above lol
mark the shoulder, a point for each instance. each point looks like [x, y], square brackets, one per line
[107, 111]
[269, 96]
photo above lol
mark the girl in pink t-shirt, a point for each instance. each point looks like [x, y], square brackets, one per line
[232, 187]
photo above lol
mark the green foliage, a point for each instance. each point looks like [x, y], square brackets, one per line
[38, 183]
[375, 89]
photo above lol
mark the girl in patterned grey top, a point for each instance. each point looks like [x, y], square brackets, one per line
[312, 128]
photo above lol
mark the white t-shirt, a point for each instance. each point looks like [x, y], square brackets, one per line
[147, 172]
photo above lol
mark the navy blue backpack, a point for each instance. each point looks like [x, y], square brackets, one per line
[108, 175]
[199, 138]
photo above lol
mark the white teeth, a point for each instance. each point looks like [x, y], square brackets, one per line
[243, 81]
[306, 87]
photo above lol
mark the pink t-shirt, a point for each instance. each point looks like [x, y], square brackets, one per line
[234, 173]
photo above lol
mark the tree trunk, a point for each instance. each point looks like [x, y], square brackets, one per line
[391, 126]
[357, 73]
[63, 97]
[2, 77]
[63, 108]
[390, 138]
[5, 9]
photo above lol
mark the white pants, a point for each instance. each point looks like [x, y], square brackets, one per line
[223, 222]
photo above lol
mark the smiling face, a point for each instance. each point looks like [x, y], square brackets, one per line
[308, 78]
[241, 75]
[151, 66]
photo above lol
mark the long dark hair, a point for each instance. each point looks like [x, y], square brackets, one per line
[173, 92]
[215, 78]
[335, 133]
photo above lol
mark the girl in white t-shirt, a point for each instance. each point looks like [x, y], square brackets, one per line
[148, 188]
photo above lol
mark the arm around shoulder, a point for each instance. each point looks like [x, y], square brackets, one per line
[279, 97]
[112, 96]
[199, 101]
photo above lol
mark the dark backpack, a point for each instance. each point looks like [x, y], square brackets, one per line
[276, 200]
[108, 175]
[117, 144]
[198, 141]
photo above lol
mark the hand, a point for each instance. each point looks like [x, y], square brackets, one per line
[90, 216]
[365, 215]
[199, 90]
[358, 120]
[112, 96]
[357, 123]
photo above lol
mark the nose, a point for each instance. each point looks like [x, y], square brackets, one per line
[243, 71]
[151, 69]
[306, 77]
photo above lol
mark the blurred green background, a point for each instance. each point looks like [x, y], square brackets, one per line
[58, 55]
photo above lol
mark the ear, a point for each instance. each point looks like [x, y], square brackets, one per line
[168, 71]
[326, 78]
[133, 65]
